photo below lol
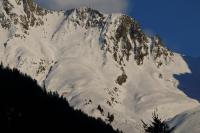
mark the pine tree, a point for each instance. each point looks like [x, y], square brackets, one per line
[156, 126]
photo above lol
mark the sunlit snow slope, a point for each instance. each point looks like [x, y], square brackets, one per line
[102, 63]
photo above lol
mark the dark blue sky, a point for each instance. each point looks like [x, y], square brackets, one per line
[176, 21]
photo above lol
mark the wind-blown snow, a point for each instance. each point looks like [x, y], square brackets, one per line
[66, 56]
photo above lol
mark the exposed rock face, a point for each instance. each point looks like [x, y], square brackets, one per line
[127, 38]
[88, 18]
[32, 15]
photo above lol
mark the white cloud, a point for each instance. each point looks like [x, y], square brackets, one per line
[108, 6]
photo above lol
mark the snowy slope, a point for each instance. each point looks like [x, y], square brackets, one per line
[102, 63]
[187, 122]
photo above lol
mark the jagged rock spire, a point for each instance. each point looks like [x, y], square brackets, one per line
[31, 16]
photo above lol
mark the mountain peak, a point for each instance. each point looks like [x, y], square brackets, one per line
[120, 30]
[23, 12]
[86, 17]
[25, 5]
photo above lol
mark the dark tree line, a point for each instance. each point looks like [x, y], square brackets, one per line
[25, 106]
[157, 125]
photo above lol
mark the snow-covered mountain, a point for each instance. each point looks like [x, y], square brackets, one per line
[103, 64]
